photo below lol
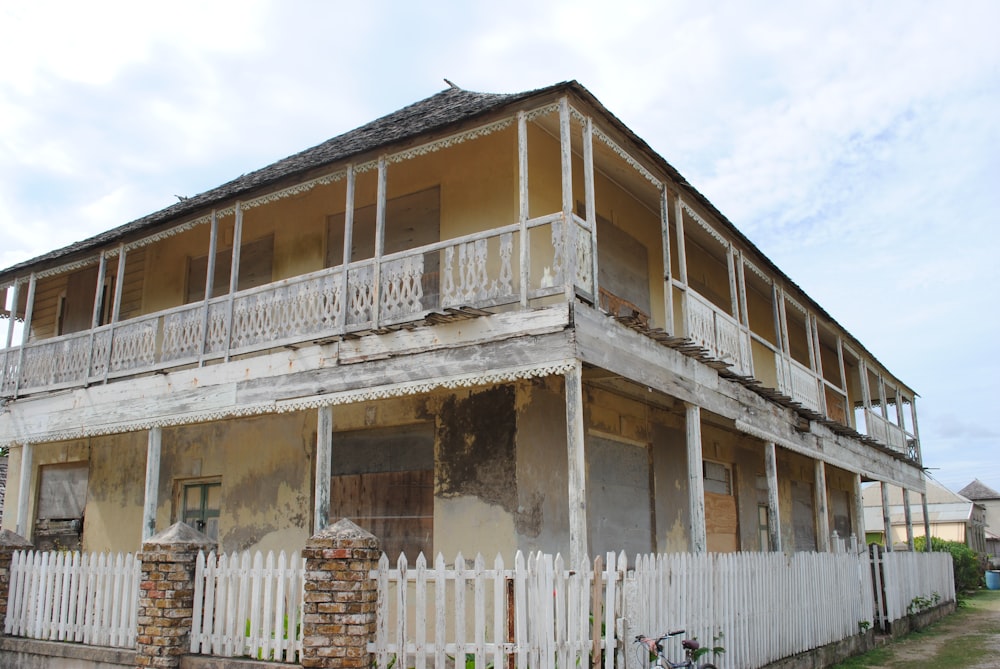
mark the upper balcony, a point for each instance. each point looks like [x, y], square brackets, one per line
[547, 201]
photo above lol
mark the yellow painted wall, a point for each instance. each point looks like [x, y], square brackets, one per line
[265, 464]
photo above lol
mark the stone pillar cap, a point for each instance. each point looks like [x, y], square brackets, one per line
[10, 539]
[181, 534]
[344, 529]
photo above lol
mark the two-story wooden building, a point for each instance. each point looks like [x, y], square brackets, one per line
[483, 322]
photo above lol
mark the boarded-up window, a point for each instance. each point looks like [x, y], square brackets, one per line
[410, 221]
[623, 270]
[76, 307]
[803, 519]
[619, 503]
[62, 497]
[383, 480]
[256, 259]
[721, 518]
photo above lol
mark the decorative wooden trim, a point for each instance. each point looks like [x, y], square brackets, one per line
[627, 157]
[704, 224]
[373, 393]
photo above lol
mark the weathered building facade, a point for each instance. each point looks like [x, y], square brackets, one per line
[481, 323]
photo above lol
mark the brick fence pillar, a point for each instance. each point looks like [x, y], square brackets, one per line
[166, 597]
[9, 542]
[340, 597]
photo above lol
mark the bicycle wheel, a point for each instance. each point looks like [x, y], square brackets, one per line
[707, 665]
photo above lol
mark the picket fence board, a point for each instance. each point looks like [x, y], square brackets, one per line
[248, 605]
[89, 598]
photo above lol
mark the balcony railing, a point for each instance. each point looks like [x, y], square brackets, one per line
[479, 271]
[719, 333]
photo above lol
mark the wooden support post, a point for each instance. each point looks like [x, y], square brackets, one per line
[116, 310]
[154, 440]
[773, 509]
[668, 280]
[590, 197]
[696, 478]
[820, 503]
[577, 463]
[683, 328]
[25, 331]
[234, 275]
[324, 456]
[348, 243]
[886, 518]
[95, 319]
[14, 295]
[927, 522]
[523, 208]
[213, 246]
[568, 227]
[908, 514]
[24, 486]
[380, 202]
[859, 513]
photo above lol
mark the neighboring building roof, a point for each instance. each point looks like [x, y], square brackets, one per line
[943, 506]
[978, 491]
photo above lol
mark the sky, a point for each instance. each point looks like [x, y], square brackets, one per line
[857, 143]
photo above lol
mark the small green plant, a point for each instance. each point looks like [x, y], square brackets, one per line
[921, 603]
[716, 649]
[864, 625]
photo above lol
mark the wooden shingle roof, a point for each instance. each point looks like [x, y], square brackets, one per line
[977, 490]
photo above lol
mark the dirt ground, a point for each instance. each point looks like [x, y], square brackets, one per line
[969, 638]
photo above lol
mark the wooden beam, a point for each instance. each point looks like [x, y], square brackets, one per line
[234, 275]
[696, 480]
[154, 441]
[773, 508]
[381, 198]
[568, 227]
[577, 466]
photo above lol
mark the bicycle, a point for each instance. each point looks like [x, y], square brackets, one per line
[656, 646]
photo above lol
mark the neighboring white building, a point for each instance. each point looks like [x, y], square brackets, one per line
[952, 517]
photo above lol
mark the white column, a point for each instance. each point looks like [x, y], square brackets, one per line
[153, 442]
[324, 454]
[886, 519]
[577, 464]
[696, 480]
[591, 199]
[380, 203]
[24, 485]
[773, 509]
[820, 502]
[14, 295]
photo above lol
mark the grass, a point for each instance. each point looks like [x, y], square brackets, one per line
[962, 639]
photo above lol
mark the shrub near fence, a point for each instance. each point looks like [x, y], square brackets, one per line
[89, 598]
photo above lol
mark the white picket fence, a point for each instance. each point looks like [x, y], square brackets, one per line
[90, 598]
[760, 607]
[909, 582]
[248, 606]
